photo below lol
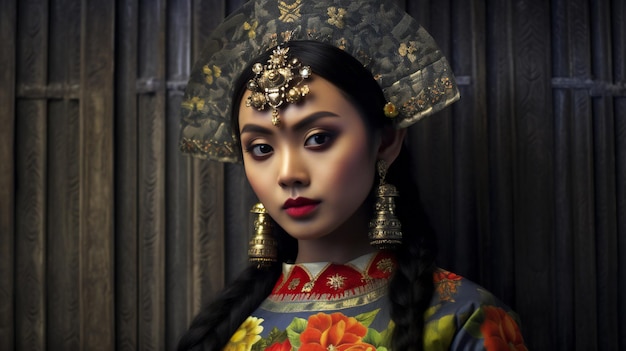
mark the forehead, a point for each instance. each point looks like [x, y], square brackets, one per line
[322, 96]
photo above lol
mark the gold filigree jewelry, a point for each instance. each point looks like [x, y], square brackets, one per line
[263, 250]
[385, 229]
[390, 110]
[277, 82]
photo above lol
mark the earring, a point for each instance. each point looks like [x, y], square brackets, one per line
[385, 229]
[263, 250]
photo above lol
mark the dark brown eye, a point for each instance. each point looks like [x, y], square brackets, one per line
[319, 140]
[260, 150]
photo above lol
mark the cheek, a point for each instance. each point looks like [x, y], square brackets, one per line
[354, 169]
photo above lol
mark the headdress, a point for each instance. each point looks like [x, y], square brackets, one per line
[403, 58]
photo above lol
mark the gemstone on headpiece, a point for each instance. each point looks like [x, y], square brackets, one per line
[390, 110]
[277, 82]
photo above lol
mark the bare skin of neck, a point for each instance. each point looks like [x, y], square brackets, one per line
[343, 245]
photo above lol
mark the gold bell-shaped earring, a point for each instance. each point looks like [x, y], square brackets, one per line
[385, 228]
[263, 250]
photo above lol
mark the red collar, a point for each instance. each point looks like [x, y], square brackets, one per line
[336, 280]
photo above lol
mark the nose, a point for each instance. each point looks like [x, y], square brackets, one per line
[293, 171]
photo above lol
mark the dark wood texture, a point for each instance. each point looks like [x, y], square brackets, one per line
[126, 168]
[96, 177]
[111, 239]
[8, 35]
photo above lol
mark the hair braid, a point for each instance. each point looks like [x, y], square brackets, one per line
[411, 288]
[212, 327]
[217, 322]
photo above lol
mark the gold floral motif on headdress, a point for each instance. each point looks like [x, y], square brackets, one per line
[193, 104]
[251, 28]
[341, 43]
[335, 16]
[273, 39]
[289, 13]
[210, 74]
[408, 51]
[287, 35]
[211, 148]
[428, 96]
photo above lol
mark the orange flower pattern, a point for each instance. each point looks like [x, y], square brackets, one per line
[446, 284]
[333, 332]
[500, 331]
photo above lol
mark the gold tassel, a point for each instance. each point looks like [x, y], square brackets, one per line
[385, 229]
[263, 250]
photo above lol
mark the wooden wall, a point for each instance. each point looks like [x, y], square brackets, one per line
[110, 239]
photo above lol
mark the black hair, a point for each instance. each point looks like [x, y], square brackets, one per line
[410, 289]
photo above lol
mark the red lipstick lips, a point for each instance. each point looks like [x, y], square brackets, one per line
[300, 207]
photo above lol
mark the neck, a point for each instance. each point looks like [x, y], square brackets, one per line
[314, 251]
[346, 243]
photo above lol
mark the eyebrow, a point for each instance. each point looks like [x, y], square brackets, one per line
[302, 124]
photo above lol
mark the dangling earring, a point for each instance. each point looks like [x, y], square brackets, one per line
[263, 250]
[385, 228]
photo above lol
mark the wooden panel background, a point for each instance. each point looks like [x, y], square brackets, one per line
[111, 239]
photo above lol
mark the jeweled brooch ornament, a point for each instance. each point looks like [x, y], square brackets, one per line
[277, 82]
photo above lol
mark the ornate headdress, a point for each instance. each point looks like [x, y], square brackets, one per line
[413, 74]
[273, 84]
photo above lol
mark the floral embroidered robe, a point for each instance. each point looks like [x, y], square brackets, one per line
[330, 307]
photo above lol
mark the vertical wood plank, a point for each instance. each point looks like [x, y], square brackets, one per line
[126, 173]
[63, 207]
[151, 223]
[501, 118]
[563, 311]
[8, 33]
[151, 176]
[96, 176]
[604, 186]
[31, 124]
[207, 274]
[63, 318]
[584, 228]
[466, 162]
[430, 143]
[480, 143]
[177, 167]
[207, 243]
[618, 26]
[533, 167]
[30, 246]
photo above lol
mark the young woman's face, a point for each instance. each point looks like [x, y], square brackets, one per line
[315, 170]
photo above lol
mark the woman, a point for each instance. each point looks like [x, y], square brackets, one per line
[343, 257]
